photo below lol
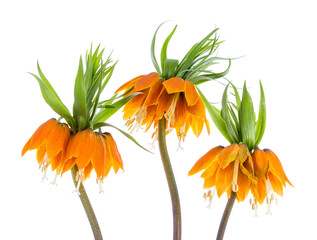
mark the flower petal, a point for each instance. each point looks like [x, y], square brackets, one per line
[205, 160]
[99, 157]
[57, 140]
[129, 84]
[276, 184]
[154, 93]
[180, 112]
[228, 155]
[174, 85]
[39, 136]
[260, 163]
[224, 179]
[146, 81]
[134, 104]
[191, 94]
[164, 103]
[198, 110]
[259, 191]
[244, 186]
[275, 166]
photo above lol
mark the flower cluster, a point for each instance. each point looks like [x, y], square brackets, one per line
[76, 145]
[241, 167]
[170, 92]
[57, 146]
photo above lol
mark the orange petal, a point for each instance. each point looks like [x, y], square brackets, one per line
[198, 110]
[146, 81]
[134, 104]
[164, 103]
[68, 164]
[228, 155]
[211, 169]
[129, 84]
[154, 93]
[180, 112]
[197, 125]
[259, 191]
[174, 85]
[99, 157]
[260, 163]
[39, 136]
[276, 184]
[210, 182]
[87, 170]
[207, 126]
[244, 186]
[224, 179]
[205, 160]
[82, 146]
[56, 161]
[113, 157]
[191, 94]
[41, 151]
[57, 140]
[275, 166]
[243, 153]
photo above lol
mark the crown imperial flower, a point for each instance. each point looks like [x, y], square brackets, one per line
[170, 92]
[241, 167]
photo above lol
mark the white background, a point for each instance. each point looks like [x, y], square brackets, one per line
[279, 41]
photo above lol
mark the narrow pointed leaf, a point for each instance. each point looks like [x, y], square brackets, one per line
[215, 116]
[52, 99]
[80, 96]
[154, 61]
[106, 113]
[261, 122]
[101, 124]
[247, 119]
[232, 130]
[164, 49]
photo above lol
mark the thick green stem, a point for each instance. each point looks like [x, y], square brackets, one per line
[170, 180]
[87, 206]
[225, 216]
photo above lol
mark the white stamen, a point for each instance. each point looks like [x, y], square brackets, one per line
[54, 181]
[136, 120]
[43, 166]
[254, 205]
[181, 136]
[80, 177]
[100, 182]
[210, 196]
[170, 115]
[269, 196]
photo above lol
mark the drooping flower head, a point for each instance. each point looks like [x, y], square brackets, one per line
[170, 92]
[63, 146]
[241, 166]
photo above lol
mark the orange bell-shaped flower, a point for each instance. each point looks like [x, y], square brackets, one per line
[50, 140]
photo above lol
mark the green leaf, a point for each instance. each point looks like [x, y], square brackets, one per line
[247, 119]
[236, 94]
[164, 49]
[80, 97]
[261, 122]
[106, 113]
[170, 67]
[101, 124]
[216, 118]
[51, 97]
[154, 61]
[232, 130]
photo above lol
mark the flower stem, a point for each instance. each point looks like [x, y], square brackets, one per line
[170, 179]
[225, 216]
[87, 206]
